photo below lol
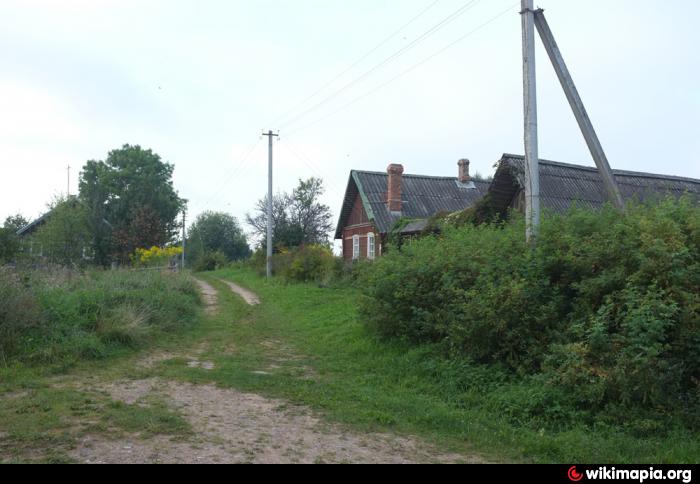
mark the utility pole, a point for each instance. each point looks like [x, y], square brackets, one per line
[532, 170]
[584, 122]
[68, 185]
[269, 135]
[184, 235]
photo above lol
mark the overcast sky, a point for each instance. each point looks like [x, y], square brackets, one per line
[197, 82]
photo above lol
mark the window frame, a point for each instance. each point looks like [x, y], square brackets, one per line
[371, 246]
[355, 247]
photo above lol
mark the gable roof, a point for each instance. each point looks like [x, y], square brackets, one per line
[563, 184]
[422, 197]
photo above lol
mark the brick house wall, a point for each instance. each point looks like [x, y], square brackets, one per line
[360, 225]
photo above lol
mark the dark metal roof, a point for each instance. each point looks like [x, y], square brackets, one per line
[415, 227]
[31, 227]
[563, 184]
[422, 197]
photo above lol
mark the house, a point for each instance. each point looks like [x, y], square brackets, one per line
[375, 201]
[563, 185]
[30, 246]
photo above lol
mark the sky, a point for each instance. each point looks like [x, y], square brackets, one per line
[349, 85]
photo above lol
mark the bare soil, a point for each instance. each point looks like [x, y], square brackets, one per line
[248, 296]
[210, 296]
[235, 427]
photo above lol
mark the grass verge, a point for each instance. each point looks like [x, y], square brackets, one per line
[307, 344]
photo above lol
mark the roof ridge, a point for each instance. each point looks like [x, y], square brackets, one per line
[411, 175]
[640, 174]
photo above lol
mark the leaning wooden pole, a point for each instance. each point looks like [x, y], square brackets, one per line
[579, 110]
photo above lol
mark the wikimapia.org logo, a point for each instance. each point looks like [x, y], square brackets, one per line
[640, 475]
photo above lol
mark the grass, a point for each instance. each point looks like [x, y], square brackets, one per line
[58, 325]
[306, 345]
[313, 350]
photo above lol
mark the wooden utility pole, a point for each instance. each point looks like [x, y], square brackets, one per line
[532, 170]
[269, 135]
[68, 184]
[579, 109]
[184, 235]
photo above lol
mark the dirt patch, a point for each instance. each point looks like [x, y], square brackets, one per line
[236, 427]
[205, 365]
[14, 395]
[209, 295]
[154, 359]
[248, 296]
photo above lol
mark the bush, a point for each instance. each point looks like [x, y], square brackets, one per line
[210, 261]
[310, 263]
[307, 263]
[606, 308]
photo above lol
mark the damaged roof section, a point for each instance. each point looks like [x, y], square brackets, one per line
[563, 185]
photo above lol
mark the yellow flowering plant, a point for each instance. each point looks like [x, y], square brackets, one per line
[155, 256]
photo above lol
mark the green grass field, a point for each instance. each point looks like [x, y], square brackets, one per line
[306, 345]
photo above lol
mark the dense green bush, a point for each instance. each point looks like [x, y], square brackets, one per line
[311, 263]
[61, 316]
[606, 308]
[307, 263]
[210, 261]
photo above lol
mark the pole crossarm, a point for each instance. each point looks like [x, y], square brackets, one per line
[577, 106]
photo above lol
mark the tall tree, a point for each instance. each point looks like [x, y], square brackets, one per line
[217, 231]
[132, 202]
[297, 218]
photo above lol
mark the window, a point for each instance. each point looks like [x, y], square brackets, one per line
[355, 247]
[370, 246]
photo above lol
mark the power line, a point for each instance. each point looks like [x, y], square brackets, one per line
[298, 153]
[435, 28]
[356, 63]
[234, 171]
[403, 73]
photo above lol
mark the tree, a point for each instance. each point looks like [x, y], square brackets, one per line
[65, 237]
[132, 202]
[9, 242]
[297, 218]
[15, 222]
[216, 232]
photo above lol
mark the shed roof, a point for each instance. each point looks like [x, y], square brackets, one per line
[422, 197]
[563, 184]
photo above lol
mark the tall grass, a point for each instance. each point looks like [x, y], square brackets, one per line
[57, 315]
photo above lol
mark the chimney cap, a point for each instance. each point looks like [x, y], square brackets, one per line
[395, 169]
[464, 171]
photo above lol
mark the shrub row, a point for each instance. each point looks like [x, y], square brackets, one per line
[606, 308]
[307, 263]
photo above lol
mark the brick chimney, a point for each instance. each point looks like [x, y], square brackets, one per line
[464, 171]
[394, 189]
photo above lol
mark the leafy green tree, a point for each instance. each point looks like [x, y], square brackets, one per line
[298, 218]
[9, 242]
[15, 222]
[132, 202]
[216, 232]
[65, 237]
